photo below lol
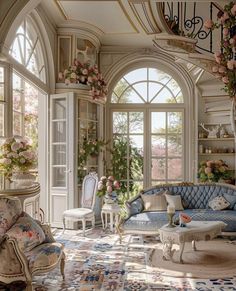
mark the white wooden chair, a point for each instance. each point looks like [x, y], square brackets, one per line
[86, 212]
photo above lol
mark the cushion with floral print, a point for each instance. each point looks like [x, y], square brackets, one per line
[10, 210]
[27, 232]
[218, 203]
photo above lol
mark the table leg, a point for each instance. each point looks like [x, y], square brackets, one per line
[105, 220]
[103, 226]
[111, 222]
[167, 251]
[116, 222]
[181, 252]
[194, 245]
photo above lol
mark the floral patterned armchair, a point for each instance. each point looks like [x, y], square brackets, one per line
[27, 247]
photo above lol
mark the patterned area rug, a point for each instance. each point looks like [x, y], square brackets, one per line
[99, 262]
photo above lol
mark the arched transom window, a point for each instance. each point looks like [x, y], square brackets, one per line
[147, 116]
[27, 49]
[147, 85]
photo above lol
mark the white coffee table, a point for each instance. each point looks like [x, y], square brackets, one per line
[194, 231]
[113, 211]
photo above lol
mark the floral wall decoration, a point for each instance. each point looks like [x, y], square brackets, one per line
[85, 73]
[225, 69]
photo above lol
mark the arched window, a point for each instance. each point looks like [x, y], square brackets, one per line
[27, 49]
[147, 116]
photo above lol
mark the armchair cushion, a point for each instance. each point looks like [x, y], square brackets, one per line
[10, 210]
[27, 232]
[44, 256]
[155, 202]
[135, 206]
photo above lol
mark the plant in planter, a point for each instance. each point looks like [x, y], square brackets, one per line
[109, 189]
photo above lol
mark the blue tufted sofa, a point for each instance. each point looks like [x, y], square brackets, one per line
[195, 198]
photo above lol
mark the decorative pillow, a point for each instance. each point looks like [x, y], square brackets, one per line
[135, 206]
[231, 199]
[174, 201]
[154, 202]
[27, 232]
[10, 210]
[218, 203]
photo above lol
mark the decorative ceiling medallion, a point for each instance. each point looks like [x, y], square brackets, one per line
[175, 43]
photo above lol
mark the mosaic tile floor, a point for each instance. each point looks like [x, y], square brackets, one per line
[100, 262]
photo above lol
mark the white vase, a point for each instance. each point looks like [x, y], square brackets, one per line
[110, 198]
[23, 179]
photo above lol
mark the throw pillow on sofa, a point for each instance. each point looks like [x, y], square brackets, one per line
[27, 232]
[231, 199]
[135, 206]
[174, 201]
[218, 203]
[154, 202]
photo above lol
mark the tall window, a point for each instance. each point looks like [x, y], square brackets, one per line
[27, 49]
[150, 123]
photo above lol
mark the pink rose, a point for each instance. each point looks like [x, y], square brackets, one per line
[208, 24]
[225, 79]
[209, 163]
[222, 69]
[233, 10]
[103, 178]
[116, 184]
[100, 186]
[230, 65]
[85, 72]
[232, 41]
[108, 183]
[16, 146]
[111, 178]
[225, 31]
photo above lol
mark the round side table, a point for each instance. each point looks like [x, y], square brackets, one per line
[112, 210]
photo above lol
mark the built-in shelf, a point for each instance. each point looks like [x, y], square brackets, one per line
[217, 139]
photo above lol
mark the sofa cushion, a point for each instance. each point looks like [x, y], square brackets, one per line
[44, 256]
[10, 210]
[27, 232]
[218, 203]
[174, 201]
[231, 199]
[135, 206]
[154, 202]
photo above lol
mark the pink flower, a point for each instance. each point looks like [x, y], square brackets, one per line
[230, 65]
[67, 81]
[60, 76]
[103, 178]
[208, 170]
[108, 183]
[225, 31]
[100, 186]
[111, 178]
[16, 146]
[116, 184]
[225, 79]
[217, 54]
[233, 10]
[209, 163]
[208, 24]
[222, 69]
[232, 41]
[215, 69]
[85, 72]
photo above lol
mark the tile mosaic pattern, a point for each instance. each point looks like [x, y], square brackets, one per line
[99, 262]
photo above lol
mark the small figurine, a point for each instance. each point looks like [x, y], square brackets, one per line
[212, 133]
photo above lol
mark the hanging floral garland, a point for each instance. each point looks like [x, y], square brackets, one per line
[85, 73]
[226, 56]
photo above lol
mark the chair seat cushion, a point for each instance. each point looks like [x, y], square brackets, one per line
[44, 256]
[78, 213]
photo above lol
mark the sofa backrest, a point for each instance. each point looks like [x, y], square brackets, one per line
[194, 196]
[10, 210]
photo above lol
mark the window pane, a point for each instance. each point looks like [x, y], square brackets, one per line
[136, 75]
[174, 145]
[158, 146]
[120, 122]
[1, 74]
[174, 169]
[59, 177]
[59, 109]
[2, 119]
[165, 96]
[158, 122]
[1, 91]
[173, 86]
[141, 90]
[158, 76]
[18, 90]
[136, 122]
[137, 143]
[120, 87]
[174, 122]
[82, 108]
[59, 132]
[158, 169]
[130, 96]
[59, 154]
[17, 126]
[154, 88]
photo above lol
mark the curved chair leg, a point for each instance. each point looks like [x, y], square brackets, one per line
[93, 222]
[62, 265]
[29, 286]
[83, 225]
[64, 224]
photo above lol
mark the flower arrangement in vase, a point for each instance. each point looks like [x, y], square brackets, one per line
[16, 155]
[213, 171]
[109, 189]
[225, 69]
[85, 73]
